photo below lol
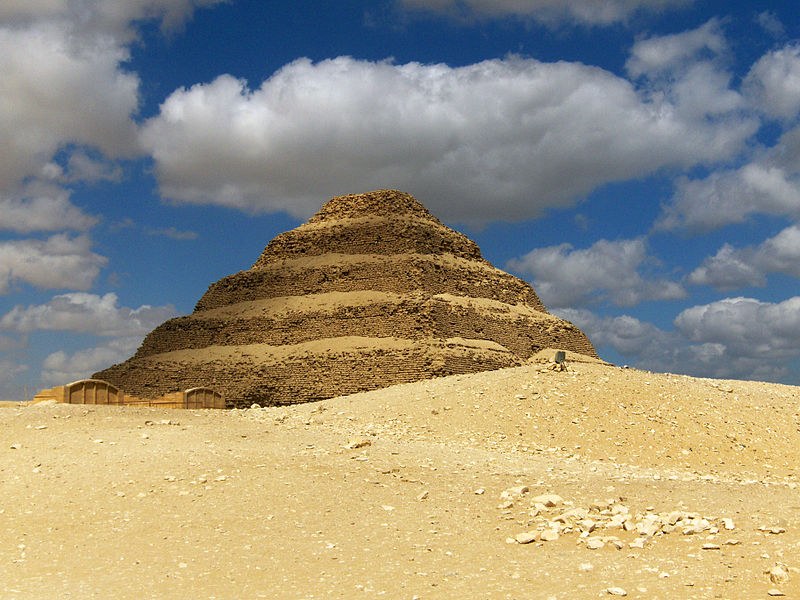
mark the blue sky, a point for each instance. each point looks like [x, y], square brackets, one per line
[638, 161]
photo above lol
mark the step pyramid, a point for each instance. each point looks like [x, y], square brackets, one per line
[372, 291]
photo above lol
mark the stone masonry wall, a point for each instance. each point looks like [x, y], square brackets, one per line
[376, 236]
[521, 334]
[321, 376]
[399, 275]
[380, 203]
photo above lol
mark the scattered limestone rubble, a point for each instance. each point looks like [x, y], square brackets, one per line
[555, 517]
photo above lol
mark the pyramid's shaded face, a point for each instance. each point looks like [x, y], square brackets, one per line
[371, 291]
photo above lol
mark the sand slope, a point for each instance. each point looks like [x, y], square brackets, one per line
[399, 493]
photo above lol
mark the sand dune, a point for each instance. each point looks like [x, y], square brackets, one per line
[669, 486]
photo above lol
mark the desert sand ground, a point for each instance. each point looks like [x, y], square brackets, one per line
[668, 487]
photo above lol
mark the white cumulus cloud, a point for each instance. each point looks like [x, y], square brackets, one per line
[86, 313]
[60, 261]
[657, 55]
[61, 367]
[58, 90]
[41, 207]
[768, 180]
[107, 17]
[728, 269]
[82, 167]
[746, 327]
[627, 335]
[64, 89]
[590, 12]
[774, 82]
[529, 135]
[769, 184]
[740, 338]
[731, 268]
[564, 277]
[9, 369]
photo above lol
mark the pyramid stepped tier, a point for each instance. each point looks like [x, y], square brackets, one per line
[401, 273]
[383, 224]
[370, 292]
[370, 235]
[276, 375]
[414, 316]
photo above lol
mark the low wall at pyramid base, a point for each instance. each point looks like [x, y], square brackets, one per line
[246, 375]
[97, 391]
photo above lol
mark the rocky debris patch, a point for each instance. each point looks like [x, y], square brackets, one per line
[162, 422]
[596, 525]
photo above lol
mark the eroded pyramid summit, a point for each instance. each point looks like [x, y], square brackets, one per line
[371, 291]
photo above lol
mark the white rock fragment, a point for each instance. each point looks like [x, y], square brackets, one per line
[525, 537]
[728, 524]
[628, 524]
[594, 543]
[774, 530]
[775, 592]
[696, 526]
[537, 509]
[549, 535]
[674, 517]
[587, 525]
[710, 546]
[614, 541]
[648, 526]
[357, 443]
[618, 520]
[514, 492]
[616, 591]
[778, 574]
[549, 500]
[572, 514]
